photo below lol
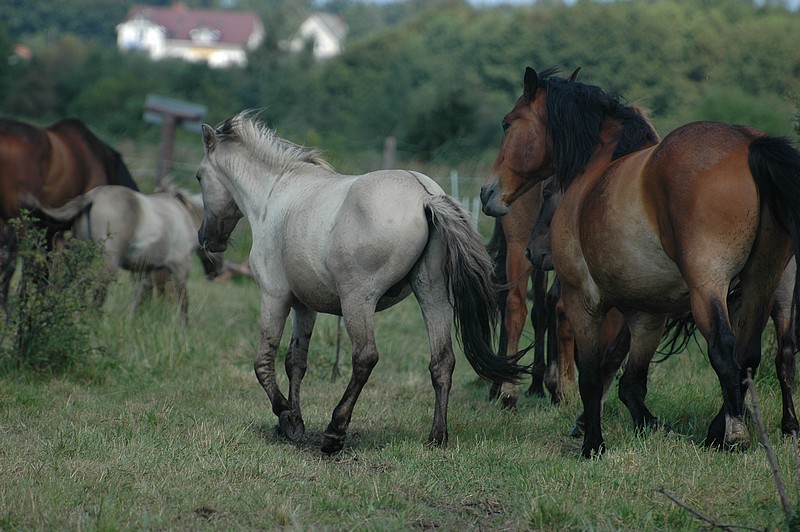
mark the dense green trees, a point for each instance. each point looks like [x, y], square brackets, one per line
[438, 75]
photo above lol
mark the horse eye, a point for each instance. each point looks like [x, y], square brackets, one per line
[197, 176]
[506, 125]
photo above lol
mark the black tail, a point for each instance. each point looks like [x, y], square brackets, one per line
[498, 248]
[468, 268]
[775, 165]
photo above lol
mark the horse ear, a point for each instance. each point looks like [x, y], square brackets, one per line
[574, 75]
[209, 137]
[531, 83]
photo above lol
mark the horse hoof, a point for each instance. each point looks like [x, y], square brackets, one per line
[291, 425]
[331, 445]
[737, 437]
[435, 440]
[509, 402]
[790, 427]
[593, 452]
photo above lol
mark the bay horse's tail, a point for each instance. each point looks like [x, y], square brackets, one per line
[468, 269]
[775, 165]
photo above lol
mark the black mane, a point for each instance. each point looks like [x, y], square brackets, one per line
[576, 112]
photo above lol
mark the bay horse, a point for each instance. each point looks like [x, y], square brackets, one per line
[665, 229]
[348, 246]
[539, 252]
[616, 336]
[511, 275]
[52, 164]
[141, 233]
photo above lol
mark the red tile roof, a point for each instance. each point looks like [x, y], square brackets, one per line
[234, 27]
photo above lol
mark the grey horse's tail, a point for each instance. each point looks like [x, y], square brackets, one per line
[468, 269]
[59, 218]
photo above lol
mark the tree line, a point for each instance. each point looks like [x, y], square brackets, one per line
[437, 75]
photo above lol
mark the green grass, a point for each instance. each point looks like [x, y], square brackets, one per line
[166, 427]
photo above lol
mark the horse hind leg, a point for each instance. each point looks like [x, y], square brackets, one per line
[291, 420]
[358, 313]
[728, 428]
[430, 289]
[783, 317]
[646, 331]
[8, 260]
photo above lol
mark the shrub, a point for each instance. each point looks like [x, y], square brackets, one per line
[47, 327]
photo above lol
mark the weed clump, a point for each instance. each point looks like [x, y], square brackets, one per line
[47, 327]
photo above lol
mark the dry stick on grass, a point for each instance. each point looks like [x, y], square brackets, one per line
[713, 522]
[776, 473]
[762, 434]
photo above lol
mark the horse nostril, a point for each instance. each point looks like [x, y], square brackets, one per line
[486, 193]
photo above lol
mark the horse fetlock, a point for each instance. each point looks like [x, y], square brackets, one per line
[509, 394]
[291, 424]
[737, 437]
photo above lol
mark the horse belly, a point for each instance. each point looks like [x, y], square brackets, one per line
[623, 251]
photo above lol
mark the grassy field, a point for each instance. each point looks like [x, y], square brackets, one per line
[166, 427]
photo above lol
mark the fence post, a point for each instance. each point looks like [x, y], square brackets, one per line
[454, 183]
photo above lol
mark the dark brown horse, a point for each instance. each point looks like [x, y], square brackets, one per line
[659, 231]
[52, 164]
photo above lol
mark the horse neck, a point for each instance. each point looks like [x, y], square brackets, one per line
[252, 181]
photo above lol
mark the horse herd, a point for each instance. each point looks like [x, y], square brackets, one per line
[70, 179]
[699, 228]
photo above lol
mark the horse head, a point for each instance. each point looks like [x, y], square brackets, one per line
[538, 250]
[220, 211]
[525, 155]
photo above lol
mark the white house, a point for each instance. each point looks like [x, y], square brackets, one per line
[220, 38]
[325, 32]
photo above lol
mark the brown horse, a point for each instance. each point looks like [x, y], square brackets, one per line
[52, 164]
[665, 229]
[539, 252]
[511, 274]
[508, 244]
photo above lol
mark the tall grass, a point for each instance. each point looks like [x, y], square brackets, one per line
[167, 428]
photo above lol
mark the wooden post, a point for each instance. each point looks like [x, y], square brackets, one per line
[166, 147]
[170, 114]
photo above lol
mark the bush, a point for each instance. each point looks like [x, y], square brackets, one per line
[47, 327]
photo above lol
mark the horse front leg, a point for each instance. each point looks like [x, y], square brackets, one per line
[516, 313]
[273, 318]
[358, 317]
[539, 322]
[291, 421]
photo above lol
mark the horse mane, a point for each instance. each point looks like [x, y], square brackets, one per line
[576, 112]
[263, 142]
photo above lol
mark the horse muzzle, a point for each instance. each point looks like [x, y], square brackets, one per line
[492, 204]
[209, 244]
